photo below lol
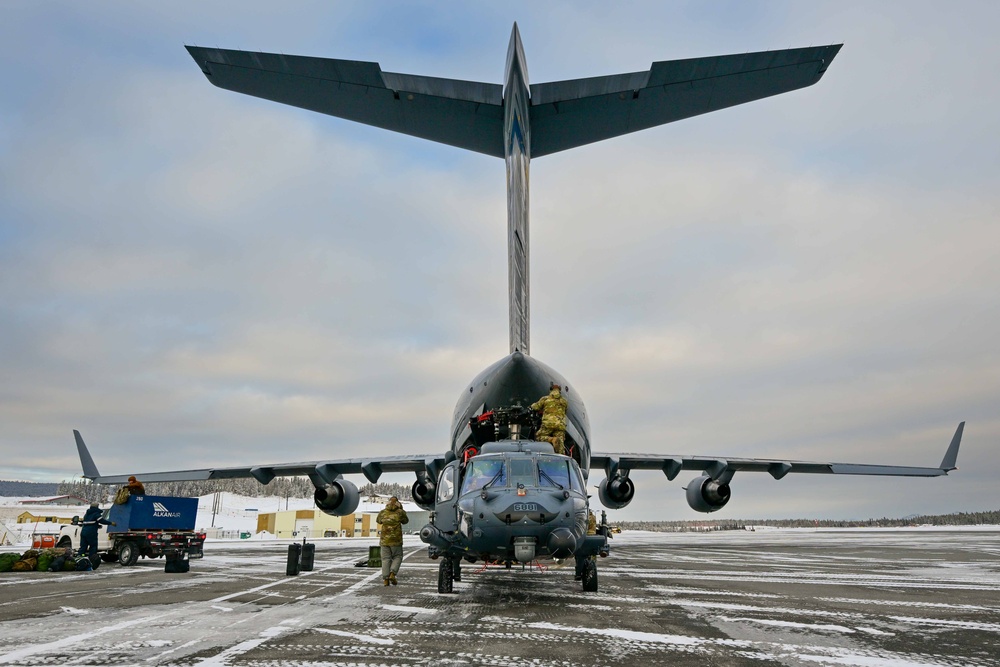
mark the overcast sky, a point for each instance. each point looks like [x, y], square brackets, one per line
[193, 277]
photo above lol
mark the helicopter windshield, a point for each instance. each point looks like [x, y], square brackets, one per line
[553, 472]
[484, 471]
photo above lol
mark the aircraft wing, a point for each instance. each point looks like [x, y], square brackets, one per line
[566, 114]
[724, 468]
[322, 471]
[466, 114]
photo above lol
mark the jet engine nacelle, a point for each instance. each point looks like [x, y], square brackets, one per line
[704, 494]
[616, 493]
[337, 499]
[423, 491]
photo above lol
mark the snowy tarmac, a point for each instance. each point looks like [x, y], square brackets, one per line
[894, 598]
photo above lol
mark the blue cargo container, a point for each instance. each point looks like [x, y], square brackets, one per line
[154, 513]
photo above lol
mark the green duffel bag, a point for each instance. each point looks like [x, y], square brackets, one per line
[44, 560]
[7, 561]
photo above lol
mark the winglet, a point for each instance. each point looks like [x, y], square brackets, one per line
[89, 467]
[951, 456]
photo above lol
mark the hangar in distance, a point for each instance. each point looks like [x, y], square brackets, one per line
[496, 489]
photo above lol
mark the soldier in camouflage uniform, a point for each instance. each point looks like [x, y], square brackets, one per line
[553, 409]
[391, 519]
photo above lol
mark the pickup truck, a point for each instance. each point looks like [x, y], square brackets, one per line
[147, 526]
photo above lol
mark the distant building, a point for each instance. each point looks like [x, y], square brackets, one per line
[311, 523]
[48, 515]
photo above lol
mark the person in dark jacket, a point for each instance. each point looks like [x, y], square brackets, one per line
[93, 519]
[391, 519]
[135, 487]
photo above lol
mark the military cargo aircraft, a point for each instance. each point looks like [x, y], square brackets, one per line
[498, 493]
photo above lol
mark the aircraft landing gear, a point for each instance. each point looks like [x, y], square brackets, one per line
[446, 574]
[590, 575]
[457, 571]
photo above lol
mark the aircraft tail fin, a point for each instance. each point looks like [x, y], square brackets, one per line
[950, 460]
[90, 470]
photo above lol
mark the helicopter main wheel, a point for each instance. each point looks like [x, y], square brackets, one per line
[446, 575]
[590, 575]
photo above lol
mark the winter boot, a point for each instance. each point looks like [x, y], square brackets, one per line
[392, 578]
[385, 582]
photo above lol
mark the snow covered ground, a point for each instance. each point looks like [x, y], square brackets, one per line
[860, 598]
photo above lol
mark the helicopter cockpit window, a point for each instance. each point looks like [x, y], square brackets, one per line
[522, 472]
[553, 472]
[446, 486]
[484, 471]
[577, 478]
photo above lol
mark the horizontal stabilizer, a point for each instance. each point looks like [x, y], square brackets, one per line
[567, 114]
[466, 114]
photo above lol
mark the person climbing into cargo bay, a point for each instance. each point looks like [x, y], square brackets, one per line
[135, 487]
[391, 519]
[553, 408]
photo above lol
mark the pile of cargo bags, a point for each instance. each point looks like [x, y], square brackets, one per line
[47, 560]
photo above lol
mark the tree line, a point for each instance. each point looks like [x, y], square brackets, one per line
[282, 487]
[12, 488]
[988, 518]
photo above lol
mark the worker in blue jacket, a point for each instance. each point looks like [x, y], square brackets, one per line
[88, 534]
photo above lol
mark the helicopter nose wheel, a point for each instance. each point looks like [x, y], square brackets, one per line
[590, 575]
[446, 574]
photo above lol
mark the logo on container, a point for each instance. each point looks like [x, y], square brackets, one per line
[160, 510]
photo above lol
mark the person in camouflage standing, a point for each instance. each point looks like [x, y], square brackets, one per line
[391, 519]
[553, 407]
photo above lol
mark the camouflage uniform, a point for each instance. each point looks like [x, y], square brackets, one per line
[391, 519]
[553, 429]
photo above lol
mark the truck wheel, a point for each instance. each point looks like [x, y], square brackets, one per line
[128, 554]
[65, 543]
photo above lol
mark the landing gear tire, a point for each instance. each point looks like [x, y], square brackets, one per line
[590, 575]
[457, 572]
[128, 554]
[446, 575]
